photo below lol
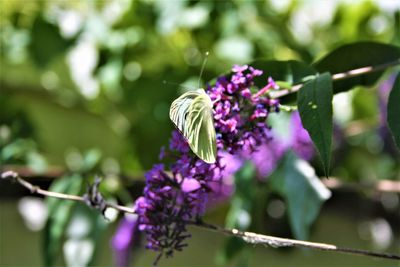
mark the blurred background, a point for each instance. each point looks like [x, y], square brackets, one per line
[82, 90]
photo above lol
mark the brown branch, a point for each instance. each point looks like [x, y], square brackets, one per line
[248, 237]
[51, 172]
[276, 242]
[337, 77]
[37, 190]
[380, 186]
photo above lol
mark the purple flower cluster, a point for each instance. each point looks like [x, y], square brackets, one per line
[172, 199]
[160, 208]
[239, 115]
[177, 195]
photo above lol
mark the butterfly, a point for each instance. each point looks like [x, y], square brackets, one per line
[192, 115]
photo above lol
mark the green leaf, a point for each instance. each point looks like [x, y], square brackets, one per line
[36, 162]
[314, 102]
[84, 231]
[17, 149]
[59, 214]
[354, 56]
[393, 112]
[91, 159]
[304, 193]
[47, 42]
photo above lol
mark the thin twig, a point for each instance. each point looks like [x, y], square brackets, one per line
[249, 237]
[275, 242]
[382, 186]
[37, 190]
[338, 76]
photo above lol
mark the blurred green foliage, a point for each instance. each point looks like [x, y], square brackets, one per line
[89, 74]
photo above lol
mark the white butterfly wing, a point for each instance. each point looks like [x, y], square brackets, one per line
[180, 108]
[192, 115]
[200, 131]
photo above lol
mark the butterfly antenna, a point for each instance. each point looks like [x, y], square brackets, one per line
[178, 84]
[202, 67]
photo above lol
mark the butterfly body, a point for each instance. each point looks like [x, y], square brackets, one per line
[192, 115]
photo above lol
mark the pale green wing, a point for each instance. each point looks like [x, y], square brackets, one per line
[179, 109]
[192, 115]
[200, 130]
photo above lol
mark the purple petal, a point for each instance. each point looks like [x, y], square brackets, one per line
[237, 68]
[123, 239]
[267, 156]
[300, 139]
[273, 83]
[190, 185]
